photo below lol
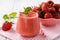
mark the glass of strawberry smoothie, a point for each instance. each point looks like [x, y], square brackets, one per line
[28, 25]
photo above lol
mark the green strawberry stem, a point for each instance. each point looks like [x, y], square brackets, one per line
[50, 5]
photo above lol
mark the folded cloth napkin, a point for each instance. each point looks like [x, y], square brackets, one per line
[52, 32]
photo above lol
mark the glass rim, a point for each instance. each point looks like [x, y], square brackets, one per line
[29, 17]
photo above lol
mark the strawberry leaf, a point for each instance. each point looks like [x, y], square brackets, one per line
[13, 15]
[5, 17]
[27, 9]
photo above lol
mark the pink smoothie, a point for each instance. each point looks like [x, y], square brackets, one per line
[28, 26]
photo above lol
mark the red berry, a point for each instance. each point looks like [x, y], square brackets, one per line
[50, 2]
[44, 3]
[48, 15]
[6, 26]
[59, 10]
[56, 15]
[35, 9]
[52, 10]
[31, 13]
[22, 14]
[57, 6]
[45, 7]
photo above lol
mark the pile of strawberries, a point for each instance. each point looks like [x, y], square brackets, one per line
[48, 10]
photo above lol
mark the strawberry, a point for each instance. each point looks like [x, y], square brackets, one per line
[22, 14]
[59, 10]
[57, 6]
[48, 15]
[45, 7]
[56, 15]
[31, 13]
[50, 2]
[44, 3]
[52, 10]
[35, 9]
[6, 26]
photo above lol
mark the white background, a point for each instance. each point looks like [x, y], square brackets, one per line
[7, 6]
